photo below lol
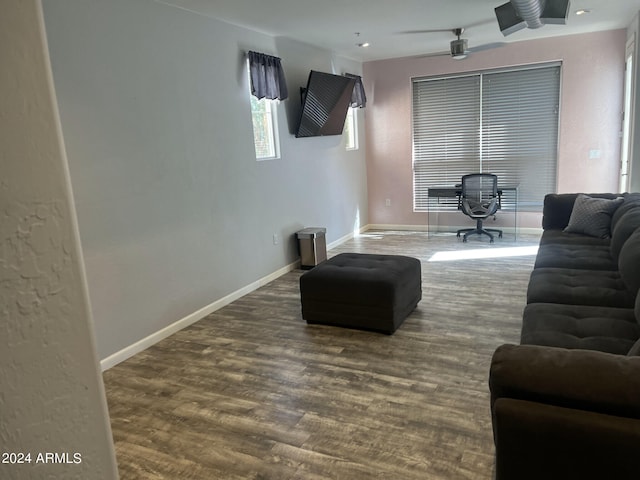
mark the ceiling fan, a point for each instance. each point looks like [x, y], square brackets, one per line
[459, 48]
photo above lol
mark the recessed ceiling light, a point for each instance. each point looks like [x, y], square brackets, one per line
[582, 11]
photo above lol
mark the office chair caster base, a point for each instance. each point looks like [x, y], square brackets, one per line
[479, 231]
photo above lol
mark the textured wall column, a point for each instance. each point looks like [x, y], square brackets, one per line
[54, 421]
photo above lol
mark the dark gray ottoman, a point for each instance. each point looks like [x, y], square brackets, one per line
[365, 291]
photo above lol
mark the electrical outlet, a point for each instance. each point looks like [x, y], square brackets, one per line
[387, 202]
[275, 239]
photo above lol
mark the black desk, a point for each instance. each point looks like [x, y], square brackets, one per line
[445, 195]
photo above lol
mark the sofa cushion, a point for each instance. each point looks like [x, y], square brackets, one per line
[567, 238]
[562, 249]
[607, 329]
[579, 287]
[584, 257]
[635, 349]
[592, 216]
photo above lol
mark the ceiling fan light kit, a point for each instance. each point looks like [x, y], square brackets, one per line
[459, 48]
[519, 14]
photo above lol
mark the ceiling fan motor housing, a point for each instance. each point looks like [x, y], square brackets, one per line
[459, 48]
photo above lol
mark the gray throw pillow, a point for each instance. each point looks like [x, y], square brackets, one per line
[592, 216]
[635, 350]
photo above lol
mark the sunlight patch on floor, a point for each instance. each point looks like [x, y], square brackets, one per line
[376, 236]
[484, 253]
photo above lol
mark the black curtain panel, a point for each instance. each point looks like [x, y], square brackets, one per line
[267, 77]
[358, 97]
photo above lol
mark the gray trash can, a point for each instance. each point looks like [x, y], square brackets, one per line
[312, 245]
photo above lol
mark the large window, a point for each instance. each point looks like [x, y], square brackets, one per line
[501, 122]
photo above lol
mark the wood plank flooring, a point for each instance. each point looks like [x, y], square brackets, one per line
[252, 392]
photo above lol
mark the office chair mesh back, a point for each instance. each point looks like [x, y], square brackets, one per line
[479, 195]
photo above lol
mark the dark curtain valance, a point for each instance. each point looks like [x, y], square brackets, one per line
[267, 77]
[358, 97]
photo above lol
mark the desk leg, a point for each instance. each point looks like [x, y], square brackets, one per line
[428, 216]
[515, 218]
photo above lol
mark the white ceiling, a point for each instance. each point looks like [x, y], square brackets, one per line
[332, 24]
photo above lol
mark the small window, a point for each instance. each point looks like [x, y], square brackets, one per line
[351, 129]
[265, 131]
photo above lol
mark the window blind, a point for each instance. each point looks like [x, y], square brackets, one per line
[504, 122]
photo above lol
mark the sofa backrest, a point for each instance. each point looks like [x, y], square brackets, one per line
[624, 227]
[631, 201]
[557, 208]
[629, 262]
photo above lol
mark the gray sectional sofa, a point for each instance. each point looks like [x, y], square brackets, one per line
[565, 402]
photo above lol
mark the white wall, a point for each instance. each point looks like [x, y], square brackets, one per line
[51, 394]
[174, 211]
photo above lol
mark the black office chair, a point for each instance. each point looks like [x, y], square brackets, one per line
[479, 199]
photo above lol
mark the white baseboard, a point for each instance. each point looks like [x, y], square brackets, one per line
[403, 228]
[155, 337]
[347, 237]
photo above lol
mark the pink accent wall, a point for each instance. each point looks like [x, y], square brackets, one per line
[590, 117]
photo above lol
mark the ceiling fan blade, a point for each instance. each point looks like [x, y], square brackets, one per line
[486, 21]
[434, 54]
[487, 46]
[480, 23]
[438, 30]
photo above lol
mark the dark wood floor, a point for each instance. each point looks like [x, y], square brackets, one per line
[252, 392]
